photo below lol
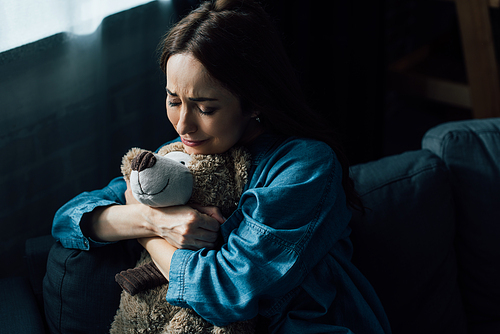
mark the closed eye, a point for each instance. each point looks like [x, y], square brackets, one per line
[208, 111]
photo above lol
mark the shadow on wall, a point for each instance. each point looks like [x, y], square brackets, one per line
[70, 107]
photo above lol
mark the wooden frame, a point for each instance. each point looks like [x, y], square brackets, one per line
[481, 92]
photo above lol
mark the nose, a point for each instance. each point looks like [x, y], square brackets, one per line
[143, 161]
[186, 123]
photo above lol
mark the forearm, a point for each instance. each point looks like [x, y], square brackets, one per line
[118, 222]
[161, 252]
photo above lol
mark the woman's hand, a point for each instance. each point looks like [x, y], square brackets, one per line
[190, 227]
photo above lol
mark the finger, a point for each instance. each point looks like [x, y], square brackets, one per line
[211, 211]
[219, 217]
[205, 236]
[210, 224]
[193, 243]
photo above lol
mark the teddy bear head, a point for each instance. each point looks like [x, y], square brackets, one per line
[173, 177]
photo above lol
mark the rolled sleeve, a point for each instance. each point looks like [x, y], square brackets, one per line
[66, 226]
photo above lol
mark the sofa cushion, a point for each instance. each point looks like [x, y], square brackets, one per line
[471, 151]
[404, 242]
[79, 290]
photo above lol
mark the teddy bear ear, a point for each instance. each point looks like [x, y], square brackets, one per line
[126, 166]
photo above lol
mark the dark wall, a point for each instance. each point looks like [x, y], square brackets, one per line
[337, 49]
[70, 107]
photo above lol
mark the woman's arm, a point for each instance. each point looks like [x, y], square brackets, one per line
[181, 226]
[117, 222]
[100, 217]
[161, 252]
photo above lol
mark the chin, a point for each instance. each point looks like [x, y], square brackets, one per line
[197, 150]
[205, 149]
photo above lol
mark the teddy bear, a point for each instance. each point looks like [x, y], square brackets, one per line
[173, 177]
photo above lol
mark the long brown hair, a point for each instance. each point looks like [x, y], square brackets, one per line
[237, 43]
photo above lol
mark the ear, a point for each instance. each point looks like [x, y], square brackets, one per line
[255, 116]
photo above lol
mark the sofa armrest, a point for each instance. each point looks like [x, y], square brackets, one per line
[471, 151]
[19, 312]
[404, 244]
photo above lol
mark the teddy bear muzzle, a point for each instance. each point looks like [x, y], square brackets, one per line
[159, 181]
[143, 161]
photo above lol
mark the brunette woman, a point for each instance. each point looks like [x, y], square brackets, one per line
[286, 255]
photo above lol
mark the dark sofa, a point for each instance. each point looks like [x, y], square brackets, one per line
[429, 243]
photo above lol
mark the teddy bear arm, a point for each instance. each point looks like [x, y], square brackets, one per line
[140, 278]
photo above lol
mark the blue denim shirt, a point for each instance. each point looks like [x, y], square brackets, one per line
[286, 252]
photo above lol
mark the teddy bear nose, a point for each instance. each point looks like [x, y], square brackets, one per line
[143, 161]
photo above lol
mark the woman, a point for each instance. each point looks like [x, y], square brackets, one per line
[286, 252]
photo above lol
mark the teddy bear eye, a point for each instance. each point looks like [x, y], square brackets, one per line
[183, 162]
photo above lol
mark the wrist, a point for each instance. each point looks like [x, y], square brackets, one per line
[147, 219]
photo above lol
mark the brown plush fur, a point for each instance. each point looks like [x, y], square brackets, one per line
[218, 178]
[218, 181]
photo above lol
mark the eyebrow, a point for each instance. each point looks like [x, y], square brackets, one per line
[194, 99]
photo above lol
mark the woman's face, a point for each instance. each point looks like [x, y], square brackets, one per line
[207, 117]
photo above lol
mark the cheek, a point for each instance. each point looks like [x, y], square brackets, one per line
[172, 116]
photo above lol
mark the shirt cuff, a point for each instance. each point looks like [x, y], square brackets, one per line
[176, 284]
[69, 233]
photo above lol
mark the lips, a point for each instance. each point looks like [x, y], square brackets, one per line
[192, 143]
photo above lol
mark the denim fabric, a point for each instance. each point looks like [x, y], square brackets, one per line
[66, 225]
[286, 254]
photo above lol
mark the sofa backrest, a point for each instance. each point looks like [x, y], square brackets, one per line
[404, 244]
[471, 152]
